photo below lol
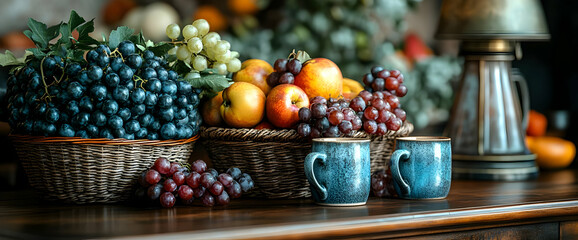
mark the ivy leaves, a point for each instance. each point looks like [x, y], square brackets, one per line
[66, 45]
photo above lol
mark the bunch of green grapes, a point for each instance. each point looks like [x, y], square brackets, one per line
[202, 49]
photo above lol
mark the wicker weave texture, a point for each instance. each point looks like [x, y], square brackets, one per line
[89, 171]
[275, 158]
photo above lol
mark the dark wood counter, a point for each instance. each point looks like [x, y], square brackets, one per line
[545, 208]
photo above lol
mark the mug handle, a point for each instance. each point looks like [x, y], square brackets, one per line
[395, 157]
[309, 163]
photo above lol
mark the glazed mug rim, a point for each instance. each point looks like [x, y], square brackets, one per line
[341, 140]
[423, 138]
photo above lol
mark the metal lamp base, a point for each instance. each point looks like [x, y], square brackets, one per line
[494, 167]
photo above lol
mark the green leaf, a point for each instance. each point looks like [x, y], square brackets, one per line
[137, 39]
[65, 35]
[59, 51]
[171, 58]
[161, 49]
[149, 43]
[53, 31]
[210, 82]
[39, 33]
[302, 56]
[75, 20]
[8, 59]
[78, 56]
[83, 33]
[122, 33]
[36, 52]
[140, 47]
[181, 67]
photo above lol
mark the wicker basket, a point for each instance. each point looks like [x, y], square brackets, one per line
[83, 171]
[275, 158]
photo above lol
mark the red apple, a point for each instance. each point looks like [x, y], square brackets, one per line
[283, 104]
[320, 77]
[243, 105]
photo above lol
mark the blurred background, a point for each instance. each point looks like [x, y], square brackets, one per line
[355, 34]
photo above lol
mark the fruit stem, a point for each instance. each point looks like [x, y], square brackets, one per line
[61, 76]
[43, 81]
[114, 52]
[292, 55]
[142, 81]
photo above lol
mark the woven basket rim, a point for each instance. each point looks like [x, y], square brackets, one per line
[104, 141]
[284, 135]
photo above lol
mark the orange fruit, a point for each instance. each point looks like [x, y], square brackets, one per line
[351, 88]
[254, 71]
[320, 77]
[243, 7]
[551, 152]
[115, 10]
[16, 41]
[217, 20]
[537, 124]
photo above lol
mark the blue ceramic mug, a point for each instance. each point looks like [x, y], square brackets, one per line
[338, 171]
[422, 167]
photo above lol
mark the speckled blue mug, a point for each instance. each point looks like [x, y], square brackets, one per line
[338, 171]
[422, 167]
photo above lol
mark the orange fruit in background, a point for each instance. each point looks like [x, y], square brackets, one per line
[115, 10]
[537, 124]
[243, 7]
[551, 152]
[217, 20]
[16, 41]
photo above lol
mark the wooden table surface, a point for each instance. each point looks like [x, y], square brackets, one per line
[470, 206]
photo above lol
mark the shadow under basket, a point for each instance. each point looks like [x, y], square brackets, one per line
[275, 158]
[77, 170]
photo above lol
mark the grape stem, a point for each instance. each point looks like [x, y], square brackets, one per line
[142, 81]
[292, 55]
[46, 94]
[114, 52]
[61, 76]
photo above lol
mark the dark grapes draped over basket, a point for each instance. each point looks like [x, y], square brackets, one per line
[119, 93]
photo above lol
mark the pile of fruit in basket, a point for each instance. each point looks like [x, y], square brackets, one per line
[307, 95]
[165, 182]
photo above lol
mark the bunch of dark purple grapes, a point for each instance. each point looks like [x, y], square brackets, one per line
[285, 71]
[166, 182]
[375, 113]
[381, 79]
[116, 93]
[382, 183]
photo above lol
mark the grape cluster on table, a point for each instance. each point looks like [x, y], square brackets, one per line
[165, 182]
[382, 183]
[123, 93]
[375, 110]
[285, 71]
